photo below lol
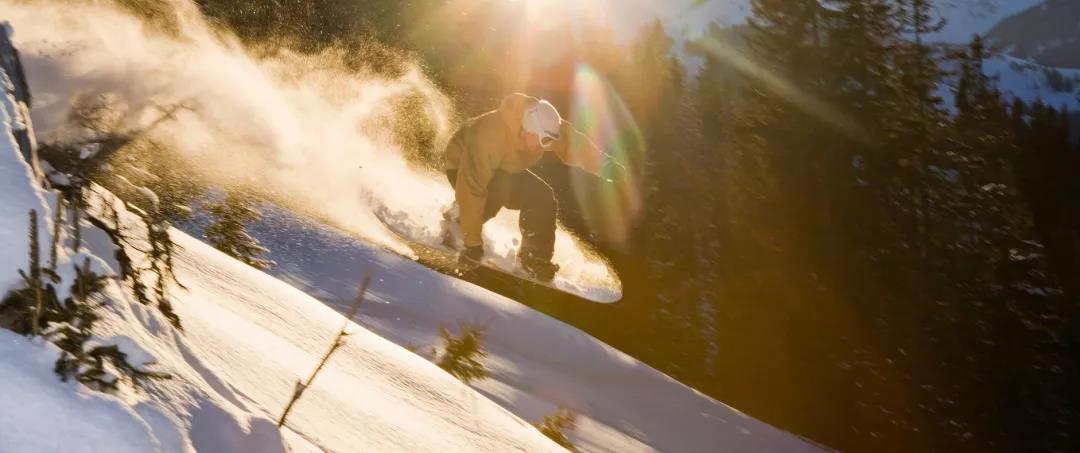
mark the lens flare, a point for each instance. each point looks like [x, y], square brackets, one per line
[598, 110]
[785, 89]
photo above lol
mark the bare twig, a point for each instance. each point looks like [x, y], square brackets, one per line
[339, 341]
[35, 274]
[76, 215]
[57, 221]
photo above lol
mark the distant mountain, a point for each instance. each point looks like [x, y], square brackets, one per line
[1030, 81]
[966, 18]
[688, 19]
[1048, 34]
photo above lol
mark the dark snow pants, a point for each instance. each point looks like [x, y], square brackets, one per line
[535, 199]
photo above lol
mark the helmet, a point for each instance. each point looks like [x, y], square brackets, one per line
[543, 120]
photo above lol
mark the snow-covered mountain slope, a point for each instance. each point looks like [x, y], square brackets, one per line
[259, 335]
[1027, 81]
[537, 363]
[247, 339]
[1048, 34]
[966, 18]
[688, 19]
[1056, 87]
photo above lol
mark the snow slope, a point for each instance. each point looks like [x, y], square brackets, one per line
[689, 19]
[1024, 80]
[20, 197]
[537, 363]
[1029, 81]
[967, 18]
[248, 337]
[259, 335]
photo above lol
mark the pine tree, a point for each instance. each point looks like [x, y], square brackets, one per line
[229, 234]
[463, 356]
[554, 426]
[100, 367]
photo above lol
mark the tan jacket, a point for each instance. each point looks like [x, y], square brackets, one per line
[491, 142]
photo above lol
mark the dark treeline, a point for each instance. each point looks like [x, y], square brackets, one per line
[823, 241]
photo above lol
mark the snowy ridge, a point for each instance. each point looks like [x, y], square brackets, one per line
[689, 19]
[20, 197]
[1048, 34]
[1030, 81]
[967, 18]
[1024, 80]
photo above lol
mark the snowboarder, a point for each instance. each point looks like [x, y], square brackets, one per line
[488, 164]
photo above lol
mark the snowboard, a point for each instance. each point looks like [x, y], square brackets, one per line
[440, 252]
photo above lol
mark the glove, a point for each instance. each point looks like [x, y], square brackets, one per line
[471, 256]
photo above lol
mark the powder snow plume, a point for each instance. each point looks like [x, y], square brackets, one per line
[299, 128]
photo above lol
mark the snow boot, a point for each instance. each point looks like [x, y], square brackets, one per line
[541, 270]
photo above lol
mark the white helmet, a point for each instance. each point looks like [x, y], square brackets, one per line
[543, 120]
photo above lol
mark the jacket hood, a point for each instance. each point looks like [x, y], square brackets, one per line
[512, 109]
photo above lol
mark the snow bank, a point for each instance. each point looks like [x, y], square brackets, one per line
[41, 413]
[18, 191]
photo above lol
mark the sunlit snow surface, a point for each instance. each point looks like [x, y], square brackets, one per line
[537, 363]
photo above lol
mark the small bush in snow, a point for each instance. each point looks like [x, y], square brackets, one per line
[461, 356]
[161, 264]
[98, 367]
[25, 310]
[555, 425]
[229, 231]
[37, 309]
[128, 163]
